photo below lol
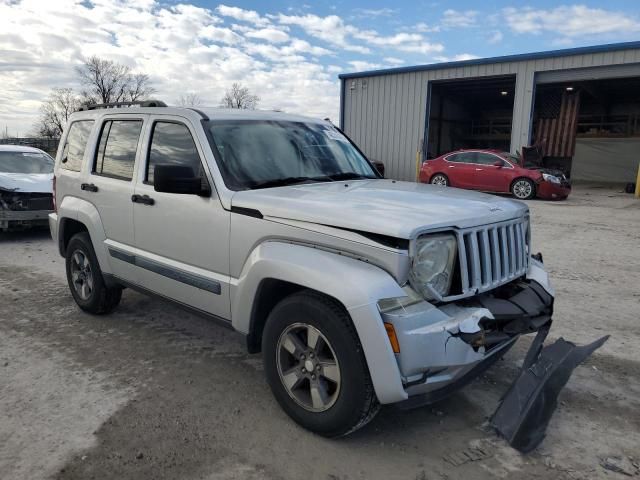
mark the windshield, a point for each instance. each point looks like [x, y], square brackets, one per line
[25, 162]
[261, 154]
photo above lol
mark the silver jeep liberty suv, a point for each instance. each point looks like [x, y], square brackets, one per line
[358, 290]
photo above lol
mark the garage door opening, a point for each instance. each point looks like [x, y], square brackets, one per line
[590, 129]
[470, 113]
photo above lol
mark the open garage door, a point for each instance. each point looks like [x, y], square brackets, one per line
[590, 128]
[470, 113]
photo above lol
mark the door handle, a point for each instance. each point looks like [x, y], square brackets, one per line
[89, 187]
[144, 199]
[451, 166]
[478, 169]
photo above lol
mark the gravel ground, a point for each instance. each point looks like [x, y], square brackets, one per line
[153, 392]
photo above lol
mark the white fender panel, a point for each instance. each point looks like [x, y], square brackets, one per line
[356, 284]
[86, 213]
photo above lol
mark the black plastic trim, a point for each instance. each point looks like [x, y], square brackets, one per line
[178, 275]
[249, 212]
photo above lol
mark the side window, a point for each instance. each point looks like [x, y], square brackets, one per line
[75, 145]
[172, 143]
[117, 148]
[486, 158]
[460, 158]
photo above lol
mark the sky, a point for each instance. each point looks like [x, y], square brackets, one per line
[288, 52]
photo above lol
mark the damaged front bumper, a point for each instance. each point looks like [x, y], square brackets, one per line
[10, 219]
[444, 347]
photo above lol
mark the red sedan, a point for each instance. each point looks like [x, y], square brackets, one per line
[495, 171]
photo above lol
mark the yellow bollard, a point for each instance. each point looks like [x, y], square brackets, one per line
[418, 167]
[638, 183]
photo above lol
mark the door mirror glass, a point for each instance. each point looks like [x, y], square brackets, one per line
[178, 179]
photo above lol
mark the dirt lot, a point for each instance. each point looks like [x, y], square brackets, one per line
[153, 392]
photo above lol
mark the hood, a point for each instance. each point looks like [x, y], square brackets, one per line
[386, 207]
[27, 182]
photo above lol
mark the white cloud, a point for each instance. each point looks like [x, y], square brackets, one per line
[270, 34]
[571, 21]
[457, 58]
[332, 29]
[459, 19]
[361, 66]
[393, 61]
[373, 12]
[241, 14]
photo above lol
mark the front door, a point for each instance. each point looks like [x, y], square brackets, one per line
[182, 240]
[489, 176]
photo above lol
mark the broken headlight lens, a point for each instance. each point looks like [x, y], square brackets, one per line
[432, 265]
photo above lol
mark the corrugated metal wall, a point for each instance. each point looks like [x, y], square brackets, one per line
[385, 114]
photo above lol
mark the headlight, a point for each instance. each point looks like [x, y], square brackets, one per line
[550, 178]
[432, 265]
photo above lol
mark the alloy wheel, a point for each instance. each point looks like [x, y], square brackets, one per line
[308, 367]
[439, 180]
[522, 189]
[81, 274]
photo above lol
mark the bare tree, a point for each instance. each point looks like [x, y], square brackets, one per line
[106, 81]
[190, 100]
[55, 111]
[239, 97]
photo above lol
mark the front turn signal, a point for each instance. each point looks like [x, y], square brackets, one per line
[393, 339]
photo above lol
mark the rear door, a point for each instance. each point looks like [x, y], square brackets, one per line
[109, 186]
[182, 240]
[457, 169]
[453, 168]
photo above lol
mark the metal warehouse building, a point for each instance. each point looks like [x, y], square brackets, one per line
[581, 106]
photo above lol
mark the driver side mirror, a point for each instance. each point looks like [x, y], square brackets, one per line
[498, 163]
[178, 179]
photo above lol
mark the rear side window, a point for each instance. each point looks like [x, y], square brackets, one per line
[117, 148]
[458, 158]
[75, 145]
[172, 143]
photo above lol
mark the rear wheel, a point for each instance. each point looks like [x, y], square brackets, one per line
[523, 189]
[440, 179]
[85, 277]
[315, 365]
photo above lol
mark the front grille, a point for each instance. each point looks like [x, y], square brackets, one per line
[492, 255]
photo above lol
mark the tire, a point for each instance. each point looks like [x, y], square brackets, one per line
[349, 401]
[85, 280]
[523, 189]
[439, 179]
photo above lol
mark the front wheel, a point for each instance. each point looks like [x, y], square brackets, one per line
[440, 179]
[315, 365]
[85, 277]
[523, 189]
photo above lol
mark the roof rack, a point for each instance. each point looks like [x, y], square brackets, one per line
[143, 103]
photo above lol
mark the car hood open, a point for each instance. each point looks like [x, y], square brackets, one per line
[26, 182]
[386, 207]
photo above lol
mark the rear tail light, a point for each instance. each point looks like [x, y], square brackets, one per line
[55, 205]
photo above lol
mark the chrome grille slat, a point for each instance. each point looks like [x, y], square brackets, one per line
[492, 255]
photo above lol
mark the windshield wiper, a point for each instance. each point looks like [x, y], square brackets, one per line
[282, 182]
[349, 176]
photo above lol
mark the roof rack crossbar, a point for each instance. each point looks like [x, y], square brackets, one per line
[143, 103]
